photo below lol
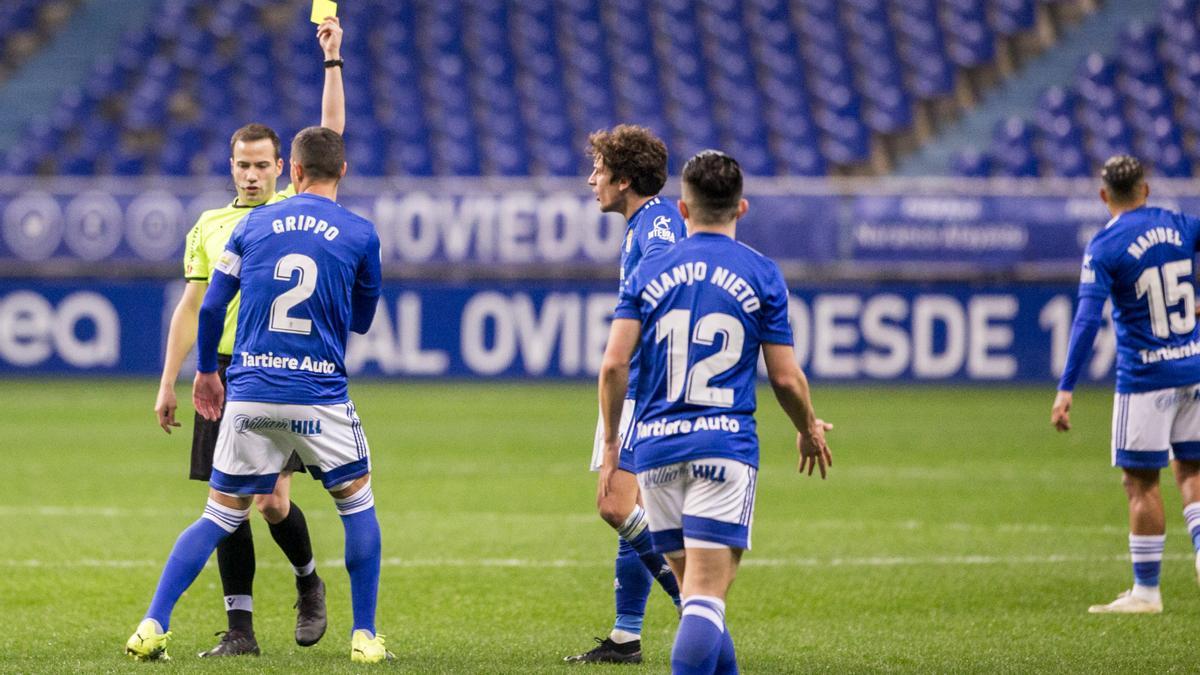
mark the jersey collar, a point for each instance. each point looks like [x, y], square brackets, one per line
[649, 202]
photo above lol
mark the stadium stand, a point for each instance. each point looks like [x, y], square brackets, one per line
[486, 87]
[25, 25]
[1136, 98]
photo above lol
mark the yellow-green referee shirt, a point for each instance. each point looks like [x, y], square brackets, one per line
[206, 241]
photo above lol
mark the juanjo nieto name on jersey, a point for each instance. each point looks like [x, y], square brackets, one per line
[706, 306]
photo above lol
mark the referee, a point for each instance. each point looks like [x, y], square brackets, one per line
[255, 164]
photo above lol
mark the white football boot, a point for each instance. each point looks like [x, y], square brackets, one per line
[1127, 603]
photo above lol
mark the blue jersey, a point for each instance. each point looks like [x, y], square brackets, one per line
[654, 227]
[309, 272]
[1144, 260]
[706, 306]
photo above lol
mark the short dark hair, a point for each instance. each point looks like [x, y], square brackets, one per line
[255, 132]
[1122, 174]
[712, 181]
[320, 152]
[634, 153]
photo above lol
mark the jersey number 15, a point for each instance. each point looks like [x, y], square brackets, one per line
[1166, 286]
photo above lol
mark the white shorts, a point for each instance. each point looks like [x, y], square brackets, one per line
[702, 503]
[256, 440]
[626, 460]
[1152, 428]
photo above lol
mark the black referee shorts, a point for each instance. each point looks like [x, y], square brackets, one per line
[204, 438]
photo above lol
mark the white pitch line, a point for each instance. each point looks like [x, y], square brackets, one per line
[50, 511]
[520, 563]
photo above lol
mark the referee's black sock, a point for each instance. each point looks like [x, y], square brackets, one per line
[291, 534]
[235, 560]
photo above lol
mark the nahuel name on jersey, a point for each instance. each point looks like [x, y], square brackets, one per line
[662, 427]
[1169, 353]
[1153, 237]
[271, 360]
[688, 273]
[304, 224]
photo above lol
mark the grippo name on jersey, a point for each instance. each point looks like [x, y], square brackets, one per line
[304, 224]
[688, 273]
[1153, 237]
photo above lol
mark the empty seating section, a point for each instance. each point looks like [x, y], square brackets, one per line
[1138, 98]
[489, 87]
[26, 24]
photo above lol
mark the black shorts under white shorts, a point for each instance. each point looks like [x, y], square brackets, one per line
[204, 438]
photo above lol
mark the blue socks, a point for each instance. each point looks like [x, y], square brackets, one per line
[1191, 513]
[192, 550]
[363, 553]
[1146, 551]
[702, 645]
[631, 589]
[637, 533]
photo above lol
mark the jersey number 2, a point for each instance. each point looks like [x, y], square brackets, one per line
[307, 267]
[673, 327]
[1166, 288]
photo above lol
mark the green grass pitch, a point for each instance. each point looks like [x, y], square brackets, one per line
[957, 533]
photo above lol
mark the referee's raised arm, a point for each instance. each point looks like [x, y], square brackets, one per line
[333, 96]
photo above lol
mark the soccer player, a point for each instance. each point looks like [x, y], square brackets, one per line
[1143, 260]
[255, 164]
[629, 167]
[309, 272]
[697, 317]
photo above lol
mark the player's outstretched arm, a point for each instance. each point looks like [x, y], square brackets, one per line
[623, 337]
[791, 390]
[333, 97]
[180, 338]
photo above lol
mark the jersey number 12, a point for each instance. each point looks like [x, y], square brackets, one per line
[1165, 287]
[673, 327]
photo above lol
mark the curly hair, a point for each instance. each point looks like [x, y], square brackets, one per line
[632, 152]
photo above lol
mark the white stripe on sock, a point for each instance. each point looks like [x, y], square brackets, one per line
[224, 517]
[1191, 513]
[307, 569]
[243, 603]
[705, 612]
[634, 524]
[359, 501]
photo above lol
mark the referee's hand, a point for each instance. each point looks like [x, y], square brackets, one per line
[329, 34]
[164, 407]
[208, 395]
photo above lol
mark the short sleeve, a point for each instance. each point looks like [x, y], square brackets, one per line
[230, 261]
[629, 305]
[656, 234]
[776, 329]
[1095, 281]
[195, 261]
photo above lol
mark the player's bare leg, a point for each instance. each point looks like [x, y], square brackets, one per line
[1147, 533]
[703, 643]
[290, 531]
[637, 567]
[1187, 476]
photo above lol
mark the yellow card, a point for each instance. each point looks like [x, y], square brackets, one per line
[322, 9]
